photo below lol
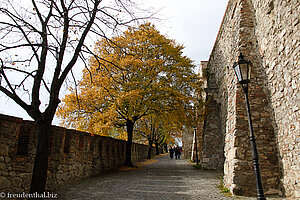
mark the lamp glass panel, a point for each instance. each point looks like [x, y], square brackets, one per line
[249, 71]
[238, 72]
[244, 71]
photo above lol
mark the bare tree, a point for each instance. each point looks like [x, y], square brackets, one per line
[40, 43]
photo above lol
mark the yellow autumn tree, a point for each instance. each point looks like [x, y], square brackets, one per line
[133, 75]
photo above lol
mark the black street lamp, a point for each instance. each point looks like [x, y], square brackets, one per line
[242, 71]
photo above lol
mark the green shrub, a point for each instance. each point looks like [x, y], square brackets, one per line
[223, 189]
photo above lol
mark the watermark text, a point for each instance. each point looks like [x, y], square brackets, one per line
[36, 195]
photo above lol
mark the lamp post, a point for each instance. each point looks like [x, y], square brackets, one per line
[242, 71]
[196, 150]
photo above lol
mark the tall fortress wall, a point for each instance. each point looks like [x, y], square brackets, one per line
[267, 33]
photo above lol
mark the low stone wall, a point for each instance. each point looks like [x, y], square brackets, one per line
[73, 155]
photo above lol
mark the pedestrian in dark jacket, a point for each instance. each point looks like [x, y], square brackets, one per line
[179, 152]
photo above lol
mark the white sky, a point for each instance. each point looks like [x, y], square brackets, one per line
[192, 23]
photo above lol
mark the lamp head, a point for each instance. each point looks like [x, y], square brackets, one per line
[242, 70]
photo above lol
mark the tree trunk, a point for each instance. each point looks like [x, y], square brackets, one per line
[166, 147]
[156, 148]
[39, 174]
[150, 150]
[129, 126]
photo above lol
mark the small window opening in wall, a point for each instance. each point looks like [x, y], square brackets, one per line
[100, 147]
[107, 149]
[23, 142]
[113, 149]
[92, 145]
[81, 143]
[118, 148]
[67, 143]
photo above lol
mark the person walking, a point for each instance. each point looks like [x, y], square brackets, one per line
[176, 152]
[171, 151]
[179, 152]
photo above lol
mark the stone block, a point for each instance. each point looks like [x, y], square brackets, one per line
[4, 183]
[26, 181]
[12, 174]
[3, 166]
[4, 151]
[232, 154]
[4, 174]
[17, 182]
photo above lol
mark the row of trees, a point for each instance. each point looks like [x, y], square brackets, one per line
[155, 131]
[139, 76]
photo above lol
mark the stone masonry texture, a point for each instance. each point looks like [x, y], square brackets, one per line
[74, 155]
[267, 33]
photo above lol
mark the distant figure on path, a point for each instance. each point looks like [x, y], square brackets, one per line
[179, 152]
[171, 151]
[176, 149]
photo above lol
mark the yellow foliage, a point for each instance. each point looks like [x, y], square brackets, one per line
[134, 75]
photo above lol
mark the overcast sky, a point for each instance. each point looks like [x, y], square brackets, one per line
[192, 23]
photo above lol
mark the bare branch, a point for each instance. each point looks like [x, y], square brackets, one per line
[79, 46]
[76, 91]
[5, 48]
[12, 94]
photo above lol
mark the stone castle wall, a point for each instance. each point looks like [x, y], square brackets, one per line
[73, 155]
[188, 142]
[267, 33]
[212, 141]
[278, 36]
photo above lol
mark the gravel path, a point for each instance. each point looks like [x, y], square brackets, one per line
[162, 178]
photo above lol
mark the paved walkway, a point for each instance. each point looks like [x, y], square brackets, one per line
[162, 179]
